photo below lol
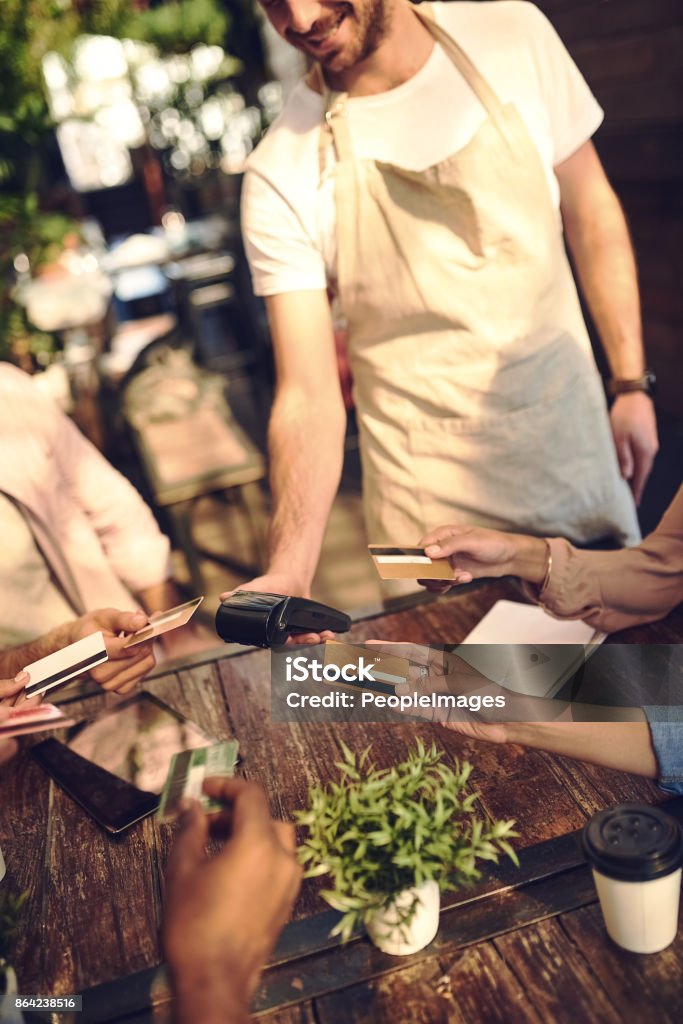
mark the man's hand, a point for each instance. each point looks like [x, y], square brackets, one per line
[477, 716]
[223, 914]
[458, 720]
[288, 586]
[634, 427]
[11, 694]
[446, 673]
[126, 666]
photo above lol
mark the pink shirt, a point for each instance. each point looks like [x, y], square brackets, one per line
[96, 533]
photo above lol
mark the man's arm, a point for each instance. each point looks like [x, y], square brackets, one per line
[126, 665]
[13, 659]
[600, 245]
[306, 438]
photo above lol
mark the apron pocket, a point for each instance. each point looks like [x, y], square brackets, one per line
[548, 468]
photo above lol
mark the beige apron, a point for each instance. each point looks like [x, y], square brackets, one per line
[478, 396]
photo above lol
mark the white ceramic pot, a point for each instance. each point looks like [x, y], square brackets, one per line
[8, 1012]
[390, 936]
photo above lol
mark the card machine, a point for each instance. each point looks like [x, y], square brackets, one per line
[266, 620]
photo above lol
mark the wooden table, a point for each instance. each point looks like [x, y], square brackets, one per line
[523, 946]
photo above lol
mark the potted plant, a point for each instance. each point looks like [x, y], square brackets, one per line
[390, 839]
[10, 907]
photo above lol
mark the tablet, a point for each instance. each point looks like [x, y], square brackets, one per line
[137, 739]
[115, 765]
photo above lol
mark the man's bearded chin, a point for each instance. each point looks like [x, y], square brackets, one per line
[372, 23]
[375, 29]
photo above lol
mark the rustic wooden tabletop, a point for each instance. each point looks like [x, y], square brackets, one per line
[523, 946]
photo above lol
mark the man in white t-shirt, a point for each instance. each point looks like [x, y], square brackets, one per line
[419, 178]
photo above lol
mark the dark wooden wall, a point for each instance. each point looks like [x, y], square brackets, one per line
[631, 53]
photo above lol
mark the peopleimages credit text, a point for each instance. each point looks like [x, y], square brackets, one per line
[406, 702]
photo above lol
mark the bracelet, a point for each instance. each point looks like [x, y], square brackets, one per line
[548, 570]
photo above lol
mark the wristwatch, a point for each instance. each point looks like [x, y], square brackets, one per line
[647, 382]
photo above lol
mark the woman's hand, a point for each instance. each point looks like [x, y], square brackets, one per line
[474, 552]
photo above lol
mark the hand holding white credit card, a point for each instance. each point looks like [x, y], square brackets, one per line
[162, 622]
[59, 668]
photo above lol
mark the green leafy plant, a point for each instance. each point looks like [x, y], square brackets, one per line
[10, 910]
[378, 832]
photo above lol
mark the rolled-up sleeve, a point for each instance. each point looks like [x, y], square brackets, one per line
[612, 590]
[666, 729]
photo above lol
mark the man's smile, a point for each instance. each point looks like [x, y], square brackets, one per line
[321, 37]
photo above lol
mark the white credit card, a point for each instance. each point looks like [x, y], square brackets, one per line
[62, 666]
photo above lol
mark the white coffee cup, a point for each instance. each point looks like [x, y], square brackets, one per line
[636, 853]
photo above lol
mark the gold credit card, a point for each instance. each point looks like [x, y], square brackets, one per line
[388, 670]
[163, 622]
[408, 563]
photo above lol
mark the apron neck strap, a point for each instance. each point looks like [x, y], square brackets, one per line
[335, 122]
[477, 83]
[334, 103]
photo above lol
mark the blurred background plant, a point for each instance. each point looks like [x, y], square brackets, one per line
[171, 83]
[177, 27]
[10, 911]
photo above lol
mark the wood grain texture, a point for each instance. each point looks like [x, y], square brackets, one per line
[484, 989]
[301, 1014]
[412, 995]
[94, 902]
[641, 988]
[101, 895]
[470, 922]
[24, 818]
[556, 978]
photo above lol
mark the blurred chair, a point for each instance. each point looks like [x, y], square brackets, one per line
[214, 312]
[190, 446]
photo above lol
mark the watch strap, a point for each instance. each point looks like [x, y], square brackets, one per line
[646, 382]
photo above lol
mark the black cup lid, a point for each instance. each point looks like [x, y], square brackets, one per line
[633, 842]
